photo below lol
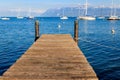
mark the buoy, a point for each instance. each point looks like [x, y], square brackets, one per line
[113, 31]
[59, 26]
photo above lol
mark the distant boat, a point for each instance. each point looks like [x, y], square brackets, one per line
[5, 18]
[86, 17]
[18, 15]
[113, 18]
[113, 13]
[63, 17]
[101, 15]
[29, 15]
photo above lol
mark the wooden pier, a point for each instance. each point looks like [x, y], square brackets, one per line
[51, 57]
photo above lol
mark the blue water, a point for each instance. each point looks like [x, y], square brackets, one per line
[101, 48]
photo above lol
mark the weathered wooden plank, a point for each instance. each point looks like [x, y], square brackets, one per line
[51, 57]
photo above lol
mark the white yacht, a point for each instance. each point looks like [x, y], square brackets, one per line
[29, 14]
[86, 17]
[101, 13]
[5, 18]
[30, 17]
[18, 15]
[63, 17]
[113, 18]
[101, 17]
[113, 13]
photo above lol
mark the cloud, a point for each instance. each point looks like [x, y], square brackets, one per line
[40, 11]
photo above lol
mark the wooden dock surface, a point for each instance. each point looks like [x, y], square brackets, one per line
[51, 57]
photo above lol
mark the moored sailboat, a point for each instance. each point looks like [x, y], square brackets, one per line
[113, 13]
[86, 17]
[29, 15]
[18, 16]
[101, 13]
[113, 18]
[5, 18]
[63, 17]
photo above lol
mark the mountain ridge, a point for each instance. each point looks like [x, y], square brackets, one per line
[79, 11]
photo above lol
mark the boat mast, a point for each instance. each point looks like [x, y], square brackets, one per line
[18, 14]
[63, 12]
[86, 8]
[112, 9]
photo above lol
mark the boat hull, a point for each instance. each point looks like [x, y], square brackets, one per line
[113, 18]
[19, 17]
[5, 18]
[87, 18]
[64, 17]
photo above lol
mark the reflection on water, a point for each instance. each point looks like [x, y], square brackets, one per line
[85, 27]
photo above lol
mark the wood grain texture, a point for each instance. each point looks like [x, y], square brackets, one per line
[51, 57]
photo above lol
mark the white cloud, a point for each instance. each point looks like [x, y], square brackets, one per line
[27, 10]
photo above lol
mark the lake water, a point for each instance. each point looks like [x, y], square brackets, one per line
[100, 46]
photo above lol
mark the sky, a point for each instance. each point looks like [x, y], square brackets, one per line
[40, 6]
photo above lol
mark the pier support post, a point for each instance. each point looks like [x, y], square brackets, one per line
[36, 30]
[76, 31]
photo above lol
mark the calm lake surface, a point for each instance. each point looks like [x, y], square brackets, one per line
[99, 45]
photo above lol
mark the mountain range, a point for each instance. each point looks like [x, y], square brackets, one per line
[78, 11]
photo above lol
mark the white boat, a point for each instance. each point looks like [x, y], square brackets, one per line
[101, 17]
[5, 18]
[29, 15]
[64, 17]
[18, 15]
[113, 13]
[101, 13]
[113, 18]
[86, 17]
